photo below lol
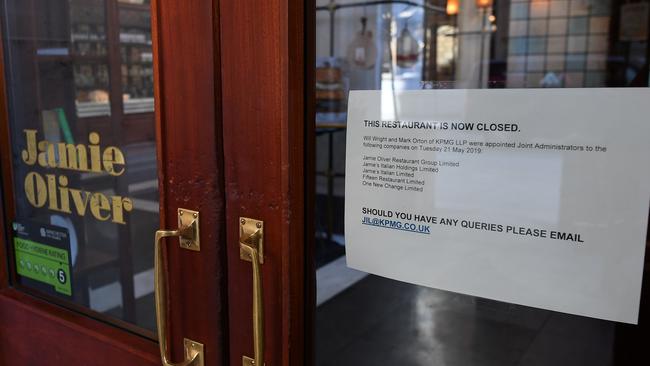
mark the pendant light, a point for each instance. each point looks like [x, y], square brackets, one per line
[452, 7]
[362, 52]
[483, 4]
[408, 49]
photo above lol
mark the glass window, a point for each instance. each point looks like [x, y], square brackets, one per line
[364, 319]
[85, 181]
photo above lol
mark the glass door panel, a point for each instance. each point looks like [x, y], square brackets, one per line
[85, 188]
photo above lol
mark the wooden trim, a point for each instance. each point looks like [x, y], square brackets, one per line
[35, 332]
[293, 278]
[263, 67]
[83, 310]
[4, 239]
[7, 207]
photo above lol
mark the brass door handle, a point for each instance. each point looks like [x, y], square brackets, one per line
[251, 249]
[188, 232]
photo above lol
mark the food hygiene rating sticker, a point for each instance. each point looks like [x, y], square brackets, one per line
[42, 255]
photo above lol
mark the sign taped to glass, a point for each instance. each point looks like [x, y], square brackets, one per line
[534, 197]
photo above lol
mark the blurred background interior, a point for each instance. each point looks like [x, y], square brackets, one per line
[439, 44]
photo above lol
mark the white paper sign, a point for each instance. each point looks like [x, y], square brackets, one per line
[536, 197]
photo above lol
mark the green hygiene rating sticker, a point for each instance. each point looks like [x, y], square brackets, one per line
[43, 257]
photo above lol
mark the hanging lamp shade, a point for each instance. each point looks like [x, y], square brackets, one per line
[408, 49]
[452, 7]
[482, 4]
[362, 52]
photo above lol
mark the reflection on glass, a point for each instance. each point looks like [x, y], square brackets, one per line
[79, 172]
[461, 44]
[362, 51]
[136, 59]
[89, 52]
[408, 48]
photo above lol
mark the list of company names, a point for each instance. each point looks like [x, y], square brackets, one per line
[384, 167]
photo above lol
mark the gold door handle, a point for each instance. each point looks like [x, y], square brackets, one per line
[251, 249]
[188, 232]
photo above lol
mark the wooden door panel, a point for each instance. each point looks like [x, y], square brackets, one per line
[191, 174]
[33, 332]
[264, 130]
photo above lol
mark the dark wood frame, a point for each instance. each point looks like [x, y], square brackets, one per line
[309, 341]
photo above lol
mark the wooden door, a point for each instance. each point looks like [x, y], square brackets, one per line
[265, 63]
[184, 146]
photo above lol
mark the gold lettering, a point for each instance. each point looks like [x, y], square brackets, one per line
[42, 155]
[35, 189]
[121, 204]
[95, 161]
[51, 191]
[51, 156]
[80, 203]
[63, 193]
[113, 157]
[73, 157]
[83, 158]
[54, 191]
[99, 203]
[29, 155]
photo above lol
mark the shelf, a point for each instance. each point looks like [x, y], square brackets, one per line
[129, 63]
[38, 39]
[96, 40]
[137, 7]
[79, 59]
[92, 109]
[138, 44]
[138, 105]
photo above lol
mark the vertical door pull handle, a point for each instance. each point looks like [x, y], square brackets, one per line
[188, 233]
[251, 249]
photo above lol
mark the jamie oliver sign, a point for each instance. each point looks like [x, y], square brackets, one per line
[534, 197]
